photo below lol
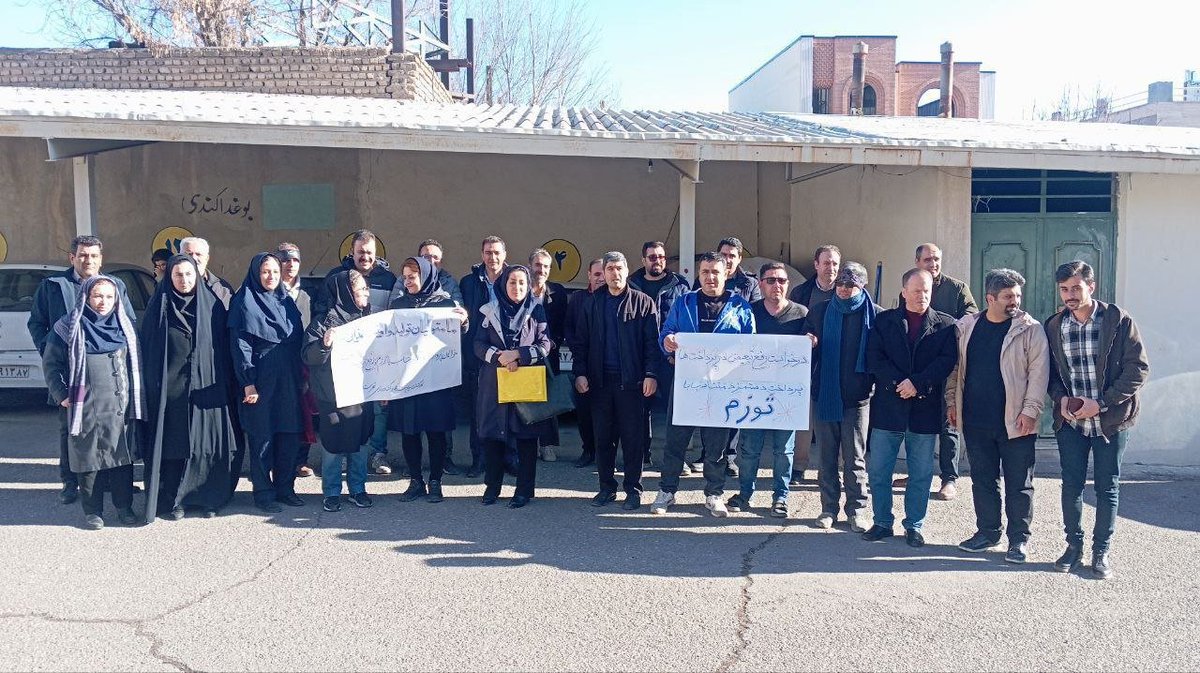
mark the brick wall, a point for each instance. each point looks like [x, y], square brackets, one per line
[915, 78]
[362, 71]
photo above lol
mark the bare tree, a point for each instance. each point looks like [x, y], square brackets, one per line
[1073, 105]
[540, 52]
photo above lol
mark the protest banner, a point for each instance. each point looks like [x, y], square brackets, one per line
[395, 354]
[745, 381]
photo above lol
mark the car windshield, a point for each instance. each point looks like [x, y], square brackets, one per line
[17, 287]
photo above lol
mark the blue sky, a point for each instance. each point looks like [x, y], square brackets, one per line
[677, 54]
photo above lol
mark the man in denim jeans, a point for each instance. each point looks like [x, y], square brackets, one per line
[910, 353]
[773, 314]
[1097, 366]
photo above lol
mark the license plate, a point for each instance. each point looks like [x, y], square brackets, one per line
[14, 372]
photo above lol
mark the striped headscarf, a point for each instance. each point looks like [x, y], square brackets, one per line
[69, 328]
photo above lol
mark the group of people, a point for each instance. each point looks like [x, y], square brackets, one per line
[212, 377]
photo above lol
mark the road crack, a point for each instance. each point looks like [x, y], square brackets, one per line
[742, 614]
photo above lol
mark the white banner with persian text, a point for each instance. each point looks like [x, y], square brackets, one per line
[395, 354]
[750, 381]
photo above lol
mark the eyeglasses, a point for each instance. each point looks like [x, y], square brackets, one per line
[846, 284]
[775, 281]
[655, 258]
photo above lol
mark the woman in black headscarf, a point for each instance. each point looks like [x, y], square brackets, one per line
[431, 413]
[189, 443]
[512, 334]
[344, 431]
[265, 337]
[92, 370]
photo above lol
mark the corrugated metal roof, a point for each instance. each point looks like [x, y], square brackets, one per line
[251, 118]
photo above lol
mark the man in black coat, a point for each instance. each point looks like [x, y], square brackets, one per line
[55, 297]
[617, 362]
[380, 280]
[910, 352]
[827, 260]
[477, 292]
[576, 308]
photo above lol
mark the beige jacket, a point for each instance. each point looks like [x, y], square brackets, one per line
[1024, 366]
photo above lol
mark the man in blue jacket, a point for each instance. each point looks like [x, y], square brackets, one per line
[712, 309]
[52, 299]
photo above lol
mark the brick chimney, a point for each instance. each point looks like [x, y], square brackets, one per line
[858, 78]
[947, 102]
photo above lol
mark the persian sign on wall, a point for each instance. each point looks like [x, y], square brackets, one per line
[753, 381]
[565, 262]
[222, 202]
[395, 354]
[169, 238]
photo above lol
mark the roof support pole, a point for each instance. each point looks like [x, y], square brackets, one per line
[85, 205]
[689, 175]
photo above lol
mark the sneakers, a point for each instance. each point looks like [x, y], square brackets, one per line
[825, 520]
[731, 469]
[333, 504]
[603, 498]
[435, 492]
[548, 454]
[360, 500]
[858, 523]
[662, 502]
[1101, 566]
[416, 489]
[686, 470]
[877, 533]
[979, 542]
[1071, 559]
[779, 509]
[1017, 553]
[93, 522]
[379, 464]
[715, 506]
[948, 491]
[737, 503]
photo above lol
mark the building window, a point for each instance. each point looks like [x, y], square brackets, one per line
[820, 101]
[869, 100]
[997, 190]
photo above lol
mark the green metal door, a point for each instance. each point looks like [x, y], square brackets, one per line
[1033, 221]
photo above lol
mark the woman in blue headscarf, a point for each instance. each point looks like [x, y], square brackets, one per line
[265, 336]
[92, 370]
[511, 335]
[431, 413]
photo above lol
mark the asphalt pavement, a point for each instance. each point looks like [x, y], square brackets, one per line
[560, 585]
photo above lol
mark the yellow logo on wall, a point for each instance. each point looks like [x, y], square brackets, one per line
[3, 248]
[169, 238]
[566, 260]
[347, 247]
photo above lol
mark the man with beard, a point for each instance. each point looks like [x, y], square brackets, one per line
[995, 397]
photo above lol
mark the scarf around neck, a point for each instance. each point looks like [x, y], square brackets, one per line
[829, 402]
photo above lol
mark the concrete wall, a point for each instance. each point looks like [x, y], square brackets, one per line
[783, 84]
[1158, 233]
[597, 204]
[1166, 113]
[881, 213]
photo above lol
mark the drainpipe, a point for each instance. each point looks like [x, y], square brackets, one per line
[859, 78]
[947, 106]
[397, 26]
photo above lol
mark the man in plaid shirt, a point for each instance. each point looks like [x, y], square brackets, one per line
[1097, 366]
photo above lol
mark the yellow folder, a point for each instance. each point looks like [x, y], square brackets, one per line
[527, 384]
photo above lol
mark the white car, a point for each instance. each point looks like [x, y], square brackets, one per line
[20, 363]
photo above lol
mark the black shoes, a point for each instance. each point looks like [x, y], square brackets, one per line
[979, 542]
[291, 500]
[475, 470]
[1018, 553]
[173, 514]
[1071, 559]
[603, 498]
[585, 459]
[914, 538]
[877, 533]
[269, 507]
[435, 492]
[333, 504]
[360, 500]
[518, 501]
[490, 496]
[416, 489]
[69, 494]
[736, 503]
[632, 501]
[1101, 568]
[127, 517]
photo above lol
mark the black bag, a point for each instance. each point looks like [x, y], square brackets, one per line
[558, 401]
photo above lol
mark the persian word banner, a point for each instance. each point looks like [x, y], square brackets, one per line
[751, 381]
[394, 354]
